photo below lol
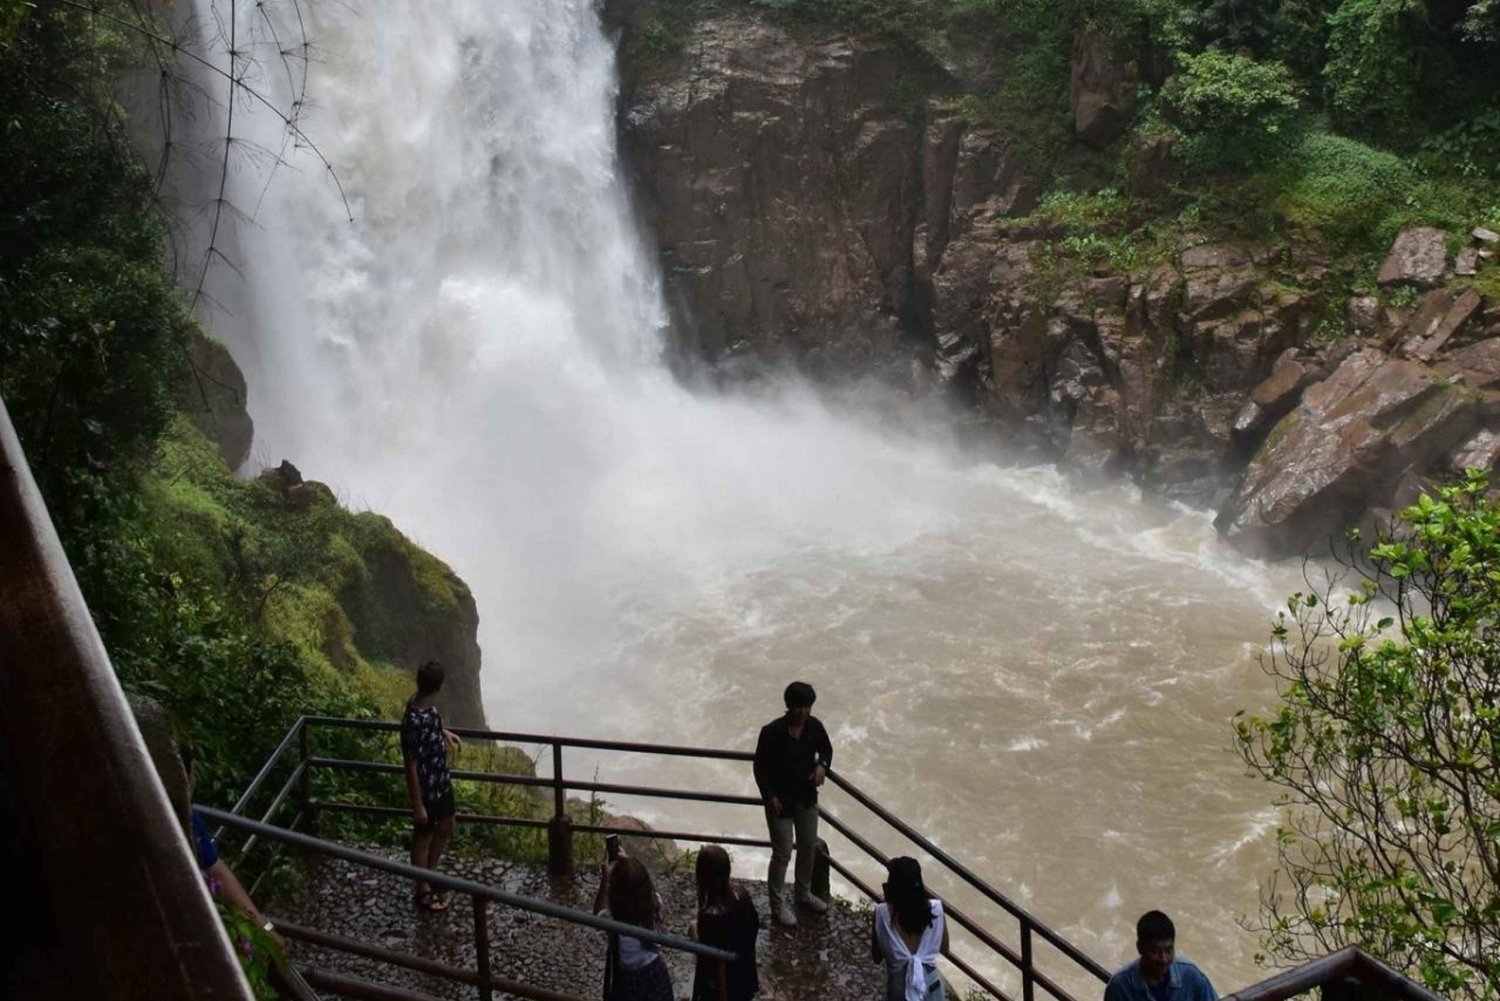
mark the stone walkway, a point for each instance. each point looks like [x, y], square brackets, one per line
[826, 957]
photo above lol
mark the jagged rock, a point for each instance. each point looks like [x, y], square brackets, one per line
[1345, 449]
[1152, 164]
[945, 127]
[1484, 235]
[1466, 262]
[1100, 90]
[987, 182]
[1480, 451]
[308, 494]
[1418, 257]
[1439, 316]
[213, 396]
[1477, 365]
[409, 607]
[1273, 398]
[1365, 314]
[281, 478]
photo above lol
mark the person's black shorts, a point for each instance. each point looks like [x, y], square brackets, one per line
[438, 810]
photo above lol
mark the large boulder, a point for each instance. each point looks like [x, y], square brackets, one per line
[1440, 315]
[1418, 257]
[1100, 89]
[1347, 447]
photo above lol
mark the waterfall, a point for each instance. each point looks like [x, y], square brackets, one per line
[476, 355]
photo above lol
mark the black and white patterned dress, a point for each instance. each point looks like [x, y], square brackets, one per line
[422, 742]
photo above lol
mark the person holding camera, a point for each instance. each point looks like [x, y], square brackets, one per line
[635, 970]
[792, 758]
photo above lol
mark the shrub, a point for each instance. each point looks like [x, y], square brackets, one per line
[1383, 743]
[1374, 65]
[1344, 188]
[1231, 110]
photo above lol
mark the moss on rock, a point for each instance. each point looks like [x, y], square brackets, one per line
[352, 595]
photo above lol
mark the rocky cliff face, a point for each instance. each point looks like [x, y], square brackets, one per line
[821, 201]
[368, 595]
[376, 597]
[784, 181]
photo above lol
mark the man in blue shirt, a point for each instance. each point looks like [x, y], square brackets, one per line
[1158, 975]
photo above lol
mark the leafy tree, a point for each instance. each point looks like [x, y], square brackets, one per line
[1482, 21]
[1386, 742]
[1231, 109]
[1376, 50]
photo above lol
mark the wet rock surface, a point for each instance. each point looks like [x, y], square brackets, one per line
[825, 957]
[823, 203]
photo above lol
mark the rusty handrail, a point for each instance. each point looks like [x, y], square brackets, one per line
[1349, 963]
[432, 967]
[968, 876]
[126, 912]
[1020, 958]
[457, 884]
[511, 737]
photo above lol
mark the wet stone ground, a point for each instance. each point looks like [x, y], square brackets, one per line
[825, 957]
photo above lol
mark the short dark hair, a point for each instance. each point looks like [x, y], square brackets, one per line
[429, 677]
[799, 695]
[1154, 926]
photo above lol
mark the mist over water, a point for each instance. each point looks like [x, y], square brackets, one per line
[1038, 677]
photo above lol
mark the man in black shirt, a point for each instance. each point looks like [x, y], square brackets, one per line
[791, 760]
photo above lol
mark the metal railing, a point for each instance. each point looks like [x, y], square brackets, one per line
[482, 978]
[1351, 974]
[101, 866]
[561, 827]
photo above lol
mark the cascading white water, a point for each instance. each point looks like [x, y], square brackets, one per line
[1038, 677]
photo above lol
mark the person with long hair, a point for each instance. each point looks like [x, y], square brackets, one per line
[909, 935]
[727, 919]
[635, 970]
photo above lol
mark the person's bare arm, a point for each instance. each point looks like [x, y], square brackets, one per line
[234, 892]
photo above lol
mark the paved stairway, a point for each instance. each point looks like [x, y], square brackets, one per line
[825, 958]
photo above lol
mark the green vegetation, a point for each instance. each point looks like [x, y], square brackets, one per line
[234, 608]
[1230, 109]
[1330, 123]
[1385, 744]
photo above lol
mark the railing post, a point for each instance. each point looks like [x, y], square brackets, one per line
[559, 828]
[1028, 972]
[304, 789]
[482, 947]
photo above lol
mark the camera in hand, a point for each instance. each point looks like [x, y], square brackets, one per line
[611, 846]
